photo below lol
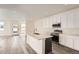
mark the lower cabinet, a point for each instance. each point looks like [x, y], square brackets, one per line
[69, 41]
[40, 46]
[76, 43]
[2, 45]
[36, 44]
[62, 40]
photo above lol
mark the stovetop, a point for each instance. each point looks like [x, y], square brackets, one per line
[56, 32]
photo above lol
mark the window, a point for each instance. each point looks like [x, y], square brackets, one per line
[23, 27]
[15, 29]
[1, 25]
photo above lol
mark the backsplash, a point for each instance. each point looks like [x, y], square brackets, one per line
[45, 30]
[71, 31]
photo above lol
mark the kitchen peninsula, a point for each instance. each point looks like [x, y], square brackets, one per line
[41, 44]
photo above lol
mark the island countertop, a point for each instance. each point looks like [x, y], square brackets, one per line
[40, 36]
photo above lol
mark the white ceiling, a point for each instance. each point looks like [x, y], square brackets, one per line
[37, 11]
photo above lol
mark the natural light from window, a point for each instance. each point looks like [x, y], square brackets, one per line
[1, 25]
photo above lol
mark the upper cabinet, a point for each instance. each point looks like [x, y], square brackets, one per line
[70, 19]
[63, 20]
[58, 18]
[44, 23]
[54, 19]
[76, 20]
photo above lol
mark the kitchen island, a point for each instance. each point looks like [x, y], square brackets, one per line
[41, 44]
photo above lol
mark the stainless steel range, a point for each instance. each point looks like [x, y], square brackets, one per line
[55, 35]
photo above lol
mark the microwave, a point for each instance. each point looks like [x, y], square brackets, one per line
[56, 25]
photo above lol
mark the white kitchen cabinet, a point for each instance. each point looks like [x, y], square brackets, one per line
[50, 21]
[76, 43]
[44, 25]
[36, 44]
[2, 43]
[47, 22]
[62, 39]
[76, 18]
[70, 19]
[58, 18]
[54, 19]
[69, 41]
[63, 20]
[66, 40]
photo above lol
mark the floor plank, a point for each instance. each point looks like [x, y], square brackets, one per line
[60, 49]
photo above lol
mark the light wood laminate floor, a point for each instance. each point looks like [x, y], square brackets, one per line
[12, 45]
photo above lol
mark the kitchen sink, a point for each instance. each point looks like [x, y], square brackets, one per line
[36, 33]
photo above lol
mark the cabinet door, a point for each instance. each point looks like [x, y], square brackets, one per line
[3, 45]
[37, 45]
[58, 18]
[70, 19]
[50, 21]
[54, 19]
[66, 41]
[76, 43]
[45, 23]
[62, 40]
[64, 20]
[69, 41]
[76, 18]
